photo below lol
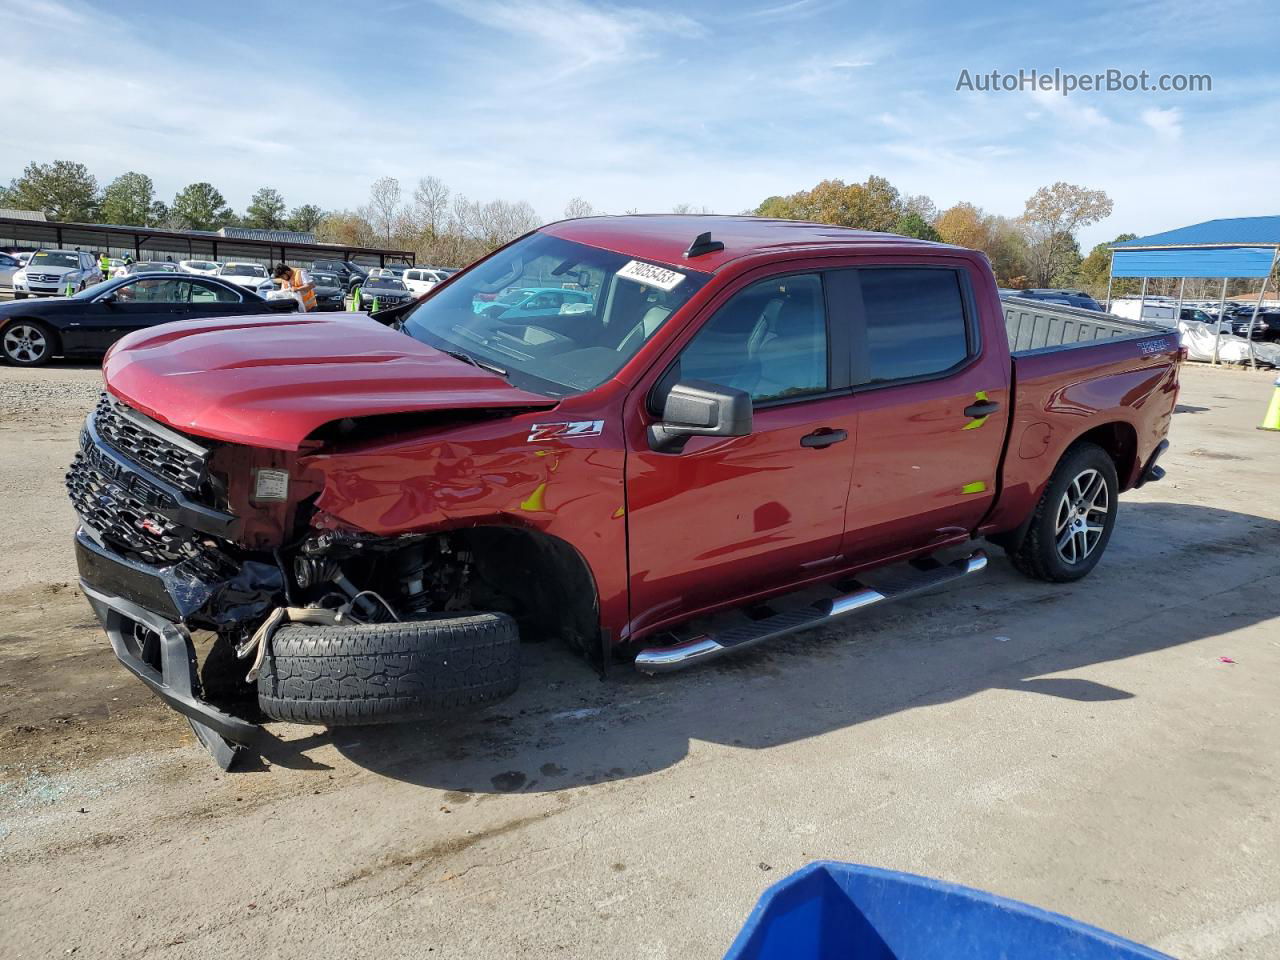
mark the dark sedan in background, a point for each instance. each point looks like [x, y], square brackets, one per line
[331, 292]
[1266, 327]
[388, 291]
[34, 331]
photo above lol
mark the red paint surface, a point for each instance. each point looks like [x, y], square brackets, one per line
[271, 381]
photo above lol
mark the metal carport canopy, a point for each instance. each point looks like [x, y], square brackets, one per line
[1238, 247]
[1245, 247]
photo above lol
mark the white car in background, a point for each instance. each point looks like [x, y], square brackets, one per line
[50, 272]
[421, 279]
[9, 265]
[205, 268]
[252, 276]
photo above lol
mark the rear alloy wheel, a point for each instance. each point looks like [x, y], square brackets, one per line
[1073, 521]
[26, 343]
[1082, 516]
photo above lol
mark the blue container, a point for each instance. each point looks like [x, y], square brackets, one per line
[843, 911]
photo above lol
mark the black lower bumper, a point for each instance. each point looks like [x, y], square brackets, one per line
[139, 613]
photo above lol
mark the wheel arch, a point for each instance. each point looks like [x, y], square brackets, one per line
[537, 577]
[1120, 441]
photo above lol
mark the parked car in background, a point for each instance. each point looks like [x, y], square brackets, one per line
[421, 279]
[1196, 315]
[1069, 298]
[147, 266]
[87, 324]
[331, 293]
[348, 271]
[206, 268]
[113, 264]
[251, 276]
[1266, 327]
[1164, 313]
[9, 265]
[50, 272]
[524, 302]
[388, 291]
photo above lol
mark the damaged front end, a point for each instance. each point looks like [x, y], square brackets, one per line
[181, 535]
[158, 552]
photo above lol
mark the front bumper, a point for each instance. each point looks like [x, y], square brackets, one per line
[139, 608]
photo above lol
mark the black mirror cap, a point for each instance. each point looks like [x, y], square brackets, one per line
[699, 408]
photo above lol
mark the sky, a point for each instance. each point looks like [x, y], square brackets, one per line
[640, 106]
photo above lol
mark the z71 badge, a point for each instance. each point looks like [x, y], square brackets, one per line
[563, 431]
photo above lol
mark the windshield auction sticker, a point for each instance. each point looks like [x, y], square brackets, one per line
[651, 276]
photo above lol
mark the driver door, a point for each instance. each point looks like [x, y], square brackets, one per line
[140, 303]
[725, 519]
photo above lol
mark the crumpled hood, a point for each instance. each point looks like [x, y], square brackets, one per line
[270, 381]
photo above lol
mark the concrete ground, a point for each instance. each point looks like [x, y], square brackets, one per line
[1105, 749]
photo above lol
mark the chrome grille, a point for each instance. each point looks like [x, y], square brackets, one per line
[169, 455]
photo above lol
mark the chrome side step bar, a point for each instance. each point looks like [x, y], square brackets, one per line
[709, 646]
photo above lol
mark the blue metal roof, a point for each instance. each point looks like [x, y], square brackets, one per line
[1234, 232]
[1194, 262]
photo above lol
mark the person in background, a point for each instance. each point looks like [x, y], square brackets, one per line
[104, 264]
[298, 282]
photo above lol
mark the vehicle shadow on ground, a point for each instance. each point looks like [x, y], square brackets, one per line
[1166, 580]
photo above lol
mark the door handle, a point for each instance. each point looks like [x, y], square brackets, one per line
[823, 437]
[984, 409]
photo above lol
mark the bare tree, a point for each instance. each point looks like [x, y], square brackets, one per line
[576, 208]
[1051, 219]
[383, 209]
[690, 208]
[431, 207]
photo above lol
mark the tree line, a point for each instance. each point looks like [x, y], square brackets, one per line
[65, 190]
[1037, 248]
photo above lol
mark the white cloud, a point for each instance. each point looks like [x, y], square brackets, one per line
[1166, 123]
[578, 35]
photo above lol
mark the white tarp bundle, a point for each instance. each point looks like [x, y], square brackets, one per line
[1199, 339]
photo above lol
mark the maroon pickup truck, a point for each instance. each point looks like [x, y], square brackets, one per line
[645, 436]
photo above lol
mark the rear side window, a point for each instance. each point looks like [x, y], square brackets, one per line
[769, 340]
[915, 322]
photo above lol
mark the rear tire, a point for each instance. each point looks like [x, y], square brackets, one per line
[388, 672]
[27, 343]
[1073, 521]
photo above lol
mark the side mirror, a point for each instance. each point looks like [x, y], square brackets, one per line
[699, 408]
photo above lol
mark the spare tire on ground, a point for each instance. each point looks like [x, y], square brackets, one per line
[388, 672]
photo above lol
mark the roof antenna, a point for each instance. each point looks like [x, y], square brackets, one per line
[703, 243]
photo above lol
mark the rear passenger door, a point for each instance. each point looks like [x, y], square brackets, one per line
[926, 459]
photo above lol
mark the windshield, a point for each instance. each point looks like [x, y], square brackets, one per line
[47, 258]
[384, 283]
[150, 265]
[324, 280]
[578, 313]
[244, 270]
[97, 290]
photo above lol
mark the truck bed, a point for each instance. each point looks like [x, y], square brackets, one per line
[1036, 326]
